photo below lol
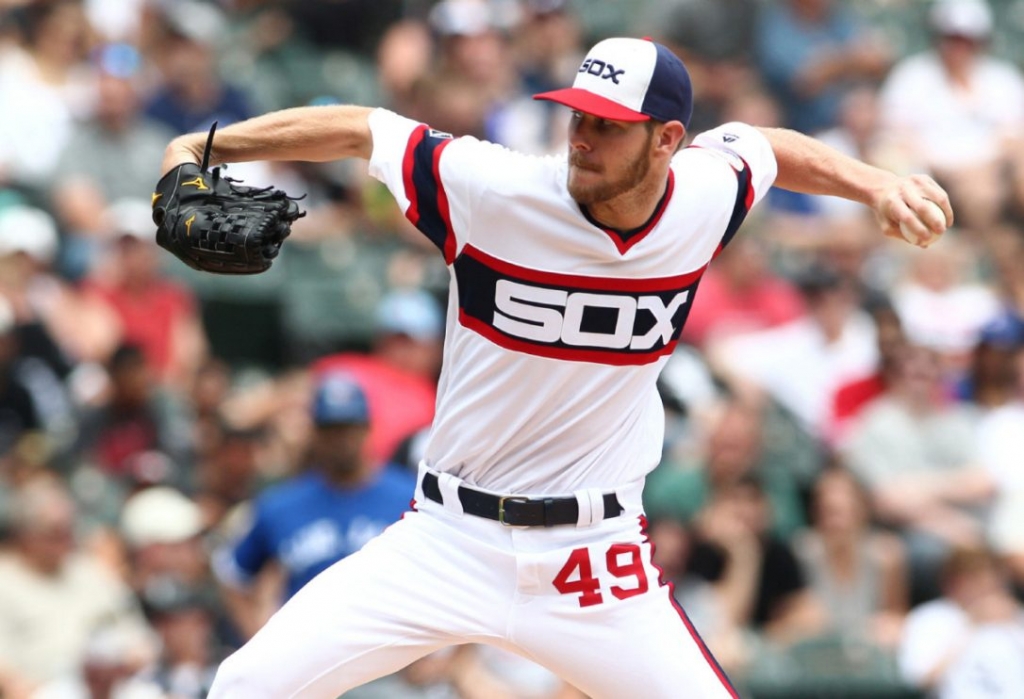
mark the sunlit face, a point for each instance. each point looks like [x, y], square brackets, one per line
[606, 158]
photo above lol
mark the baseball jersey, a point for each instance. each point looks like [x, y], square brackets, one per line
[557, 328]
[306, 524]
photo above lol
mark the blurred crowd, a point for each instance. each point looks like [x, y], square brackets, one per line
[840, 504]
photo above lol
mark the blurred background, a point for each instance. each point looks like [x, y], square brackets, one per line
[840, 505]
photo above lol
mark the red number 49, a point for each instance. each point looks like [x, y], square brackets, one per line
[577, 576]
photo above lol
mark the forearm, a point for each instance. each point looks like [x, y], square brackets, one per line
[809, 166]
[312, 134]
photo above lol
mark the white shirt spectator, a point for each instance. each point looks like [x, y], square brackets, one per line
[951, 125]
[798, 367]
[1000, 440]
[933, 633]
[990, 666]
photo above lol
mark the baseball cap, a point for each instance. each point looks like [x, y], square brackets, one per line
[967, 18]
[1005, 331]
[339, 400]
[411, 312]
[463, 18]
[629, 80]
[160, 515]
[28, 230]
[131, 218]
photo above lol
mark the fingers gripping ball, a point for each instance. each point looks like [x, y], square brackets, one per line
[213, 224]
[930, 217]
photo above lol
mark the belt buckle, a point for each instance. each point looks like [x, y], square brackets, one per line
[501, 507]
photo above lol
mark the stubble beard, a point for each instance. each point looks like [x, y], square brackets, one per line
[599, 192]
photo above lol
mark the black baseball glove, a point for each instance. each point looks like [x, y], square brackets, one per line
[214, 224]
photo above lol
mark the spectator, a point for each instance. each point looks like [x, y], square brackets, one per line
[19, 410]
[319, 516]
[547, 48]
[941, 304]
[108, 157]
[734, 451]
[50, 86]
[716, 39]
[854, 395]
[756, 574]
[154, 312]
[990, 662]
[116, 655]
[194, 93]
[1000, 441]
[991, 379]
[914, 449]
[137, 417]
[53, 594]
[956, 106]
[857, 571]
[740, 294]
[802, 363]
[673, 545]
[966, 643]
[231, 469]
[400, 374]
[184, 621]
[162, 531]
[811, 52]
[56, 323]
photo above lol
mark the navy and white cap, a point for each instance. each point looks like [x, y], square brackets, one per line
[629, 80]
[339, 400]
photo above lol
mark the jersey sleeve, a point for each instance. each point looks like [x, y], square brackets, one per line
[752, 159]
[238, 562]
[434, 177]
[736, 140]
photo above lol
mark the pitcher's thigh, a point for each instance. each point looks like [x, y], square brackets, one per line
[643, 647]
[364, 617]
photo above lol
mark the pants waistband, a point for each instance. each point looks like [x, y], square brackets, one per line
[580, 509]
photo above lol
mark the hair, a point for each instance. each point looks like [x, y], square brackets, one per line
[125, 356]
[32, 17]
[967, 561]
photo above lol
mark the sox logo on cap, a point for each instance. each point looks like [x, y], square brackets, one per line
[629, 80]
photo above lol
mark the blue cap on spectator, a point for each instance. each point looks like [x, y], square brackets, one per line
[340, 400]
[1005, 331]
[411, 312]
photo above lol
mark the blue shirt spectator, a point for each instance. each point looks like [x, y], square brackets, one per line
[329, 511]
[810, 52]
[307, 523]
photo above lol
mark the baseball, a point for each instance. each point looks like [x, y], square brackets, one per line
[911, 237]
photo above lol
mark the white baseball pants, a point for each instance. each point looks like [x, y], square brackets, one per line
[583, 601]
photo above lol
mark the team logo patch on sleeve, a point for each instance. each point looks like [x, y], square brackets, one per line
[589, 319]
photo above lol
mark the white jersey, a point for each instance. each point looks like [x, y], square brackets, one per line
[558, 328]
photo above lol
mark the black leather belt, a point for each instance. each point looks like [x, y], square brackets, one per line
[517, 510]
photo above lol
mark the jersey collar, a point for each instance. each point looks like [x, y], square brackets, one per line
[624, 240]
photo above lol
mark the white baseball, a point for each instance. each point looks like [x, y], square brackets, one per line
[924, 241]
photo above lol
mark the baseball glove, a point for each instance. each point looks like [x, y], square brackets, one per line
[214, 224]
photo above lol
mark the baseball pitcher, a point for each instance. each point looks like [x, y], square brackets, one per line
[571, 277]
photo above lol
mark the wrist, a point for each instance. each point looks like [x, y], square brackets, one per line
[183, 149]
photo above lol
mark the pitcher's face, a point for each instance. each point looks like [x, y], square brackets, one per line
[606, 158]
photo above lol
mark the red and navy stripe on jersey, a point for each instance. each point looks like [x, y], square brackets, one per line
[744, 202]
[428, 202]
